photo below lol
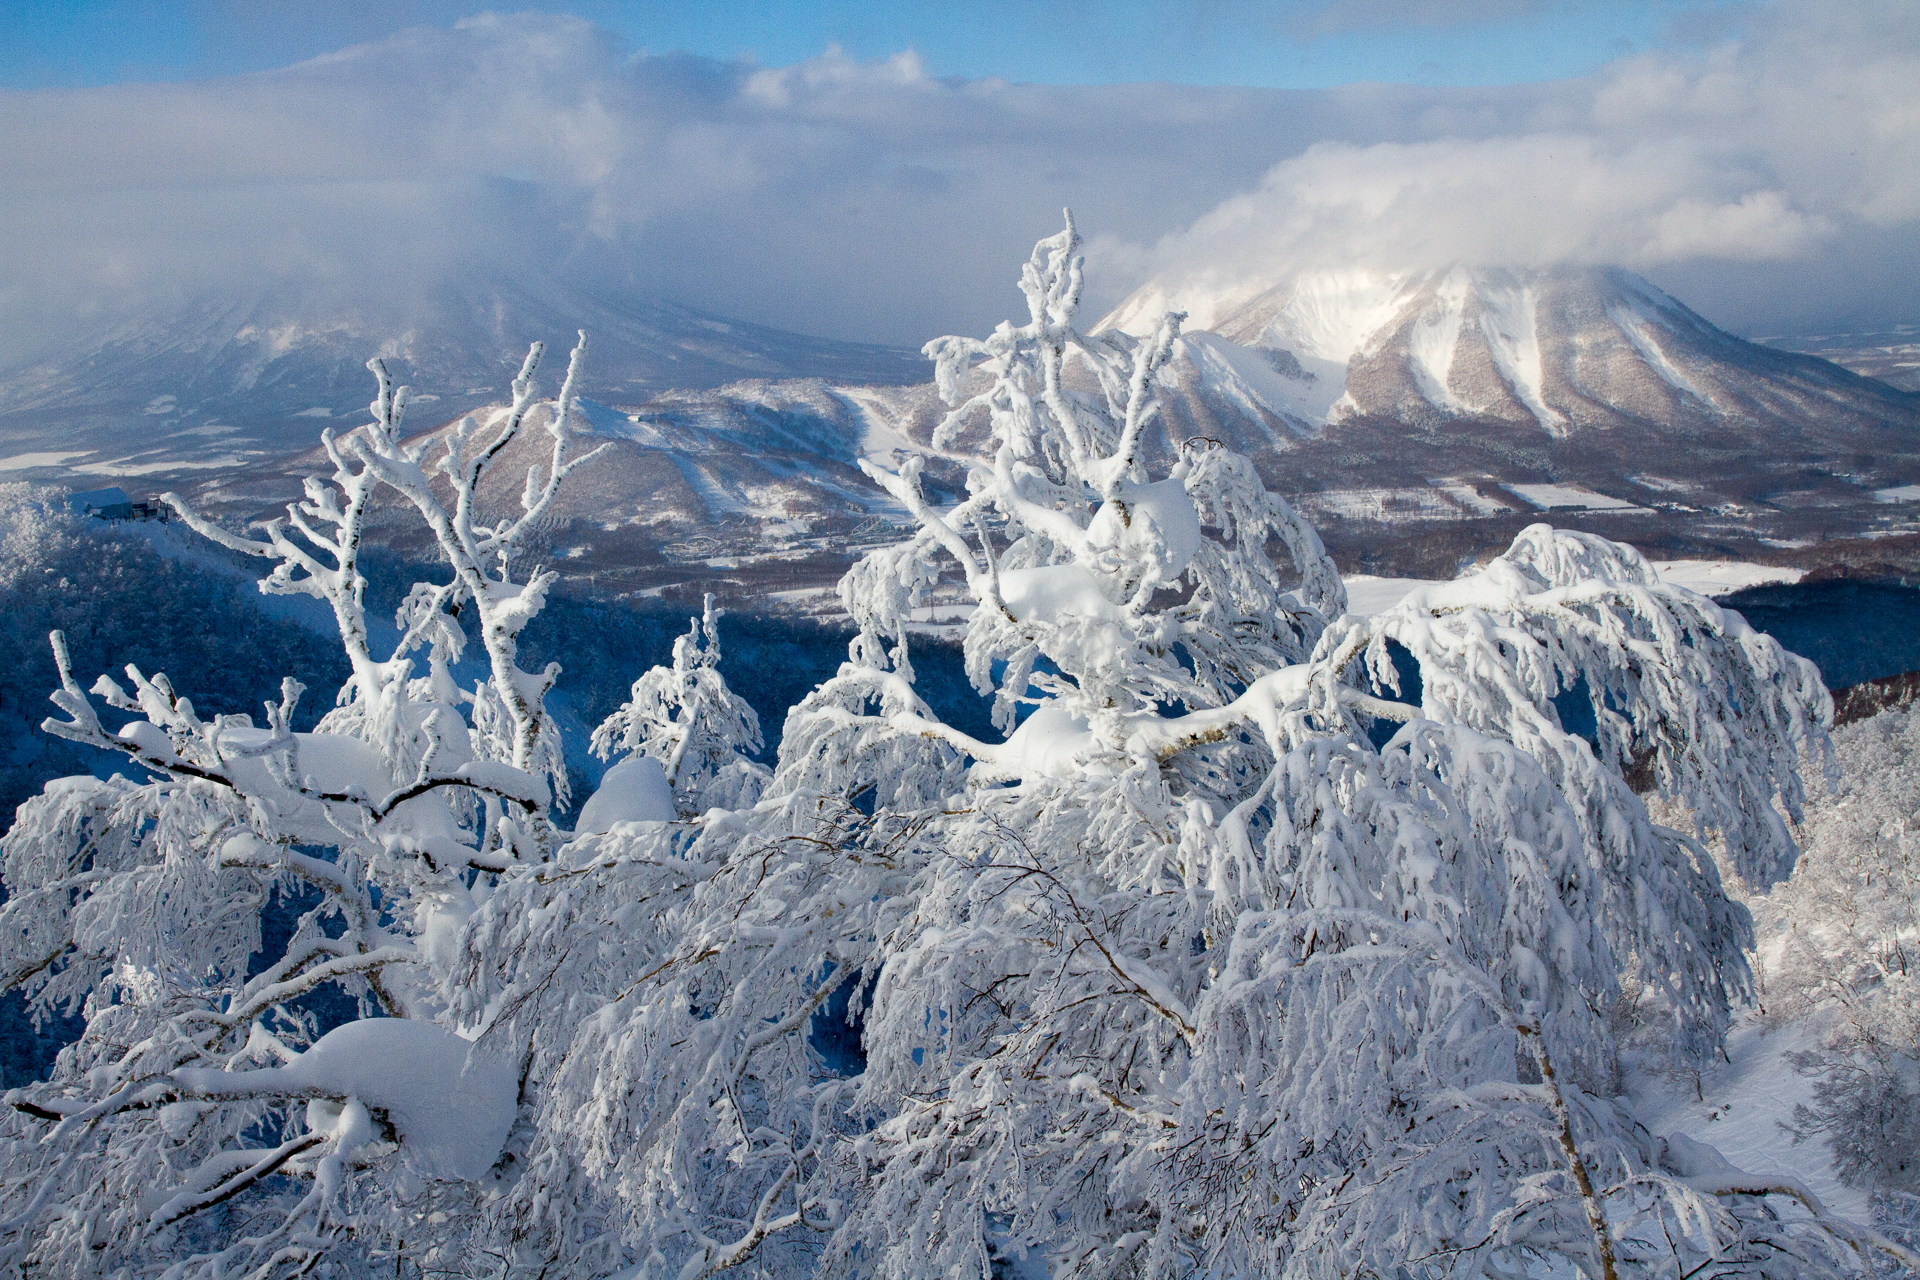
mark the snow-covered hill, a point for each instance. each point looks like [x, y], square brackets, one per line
[227, 380]
[757, 481]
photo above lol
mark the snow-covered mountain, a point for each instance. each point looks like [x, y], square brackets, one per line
[1477, 399]
[227, 380]
[1560, 350]
[1377, 401]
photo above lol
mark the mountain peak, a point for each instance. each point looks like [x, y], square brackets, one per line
[1558, 348]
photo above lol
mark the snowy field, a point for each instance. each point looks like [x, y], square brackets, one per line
[1549, 497]
[1385, 505]
[1723, 577]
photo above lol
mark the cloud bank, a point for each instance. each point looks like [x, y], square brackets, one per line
[879, 201]
[1797, 145]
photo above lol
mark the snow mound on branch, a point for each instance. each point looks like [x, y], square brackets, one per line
[330, 762]
[1054, 592]
[451, 1102]
[1368, 595]
[1052, 742]
[635, 790]
[1066, 598]
[1165, 525]
[335, 764]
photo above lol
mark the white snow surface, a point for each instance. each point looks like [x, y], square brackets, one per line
[1053, 592]
[1746, 1101]
[880, 437]
[1051, 742]
[1245, 377]
[1367, 595]
[1164, 525]
[1389, 504]
[451, 1101]
[28, 461]
[1722, 577]
[1434, 338]
[635, 790]
[1548, 496]
[1472, 499]
[1903, 493]
[325, 762]
[1639, 323]
[1336, 315]
[1510, 322]
[132, 466]
[1327, 319]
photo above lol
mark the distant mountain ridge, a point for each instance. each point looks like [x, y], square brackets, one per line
[1891, 354]
[1419, 419]
[223, 381]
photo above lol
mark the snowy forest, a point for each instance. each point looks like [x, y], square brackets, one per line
[1222, 932]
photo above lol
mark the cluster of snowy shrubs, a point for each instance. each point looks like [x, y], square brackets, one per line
[1178, 974]
[1841, 939]
[116, 599]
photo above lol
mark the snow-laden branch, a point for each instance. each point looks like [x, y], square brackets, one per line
[481, 556]
[206, 1079]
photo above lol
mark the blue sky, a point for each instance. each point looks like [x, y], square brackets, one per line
[1284, 44]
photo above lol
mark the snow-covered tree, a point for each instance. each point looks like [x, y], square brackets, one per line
[685, 717]
[203, 1124]
[1843, 939]
[1182, 976]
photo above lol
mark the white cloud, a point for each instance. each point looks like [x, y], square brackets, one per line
[875, 200]
[1780, 147]
[867, 200]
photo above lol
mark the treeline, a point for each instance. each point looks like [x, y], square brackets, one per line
[120, 601]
